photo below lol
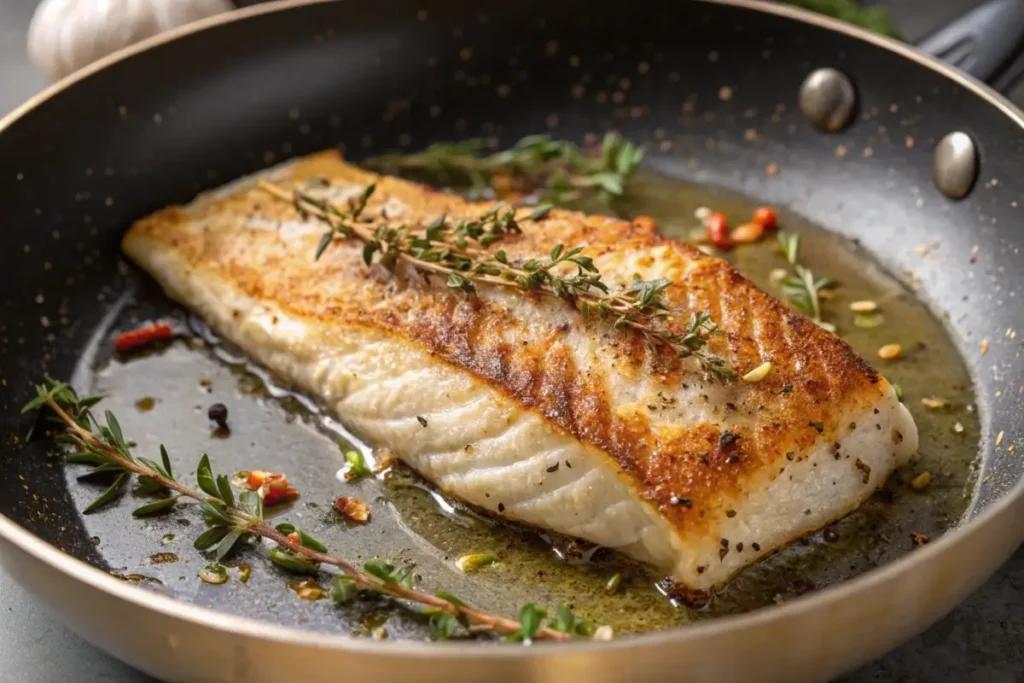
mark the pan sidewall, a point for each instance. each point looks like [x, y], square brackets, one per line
[811, 640]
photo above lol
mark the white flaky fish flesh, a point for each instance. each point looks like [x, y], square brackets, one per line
[522, 405]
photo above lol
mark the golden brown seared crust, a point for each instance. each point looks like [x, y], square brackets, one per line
[690, 472]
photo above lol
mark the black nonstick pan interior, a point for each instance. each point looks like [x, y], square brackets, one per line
[689, 83]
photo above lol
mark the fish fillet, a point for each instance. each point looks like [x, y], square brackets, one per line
[519, 404]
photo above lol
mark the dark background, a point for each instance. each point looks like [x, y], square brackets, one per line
[982, 641]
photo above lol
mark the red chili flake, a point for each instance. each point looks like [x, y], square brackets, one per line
[718, 231]
[352, 509]
[766, 218]
[274, 486]
[276, 490]
[255, 479]
[917, 539]
[142, 336]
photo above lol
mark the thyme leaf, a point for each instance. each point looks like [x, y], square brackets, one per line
[293, 562]
[443, 625]
[156, 507]
[455, 600]
[310, 542]
[343, 589]
[803, 288]
[357, 467]
[458, 251]
[530, 619]
[389, 573]
[112, 493]
[210, 538]
[204, 477]
[299, 553]
[86, 458]
[228, 543]
[567, 622]
[224, 490]
[559, 169]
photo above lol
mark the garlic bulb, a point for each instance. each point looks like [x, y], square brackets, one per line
[65, 35]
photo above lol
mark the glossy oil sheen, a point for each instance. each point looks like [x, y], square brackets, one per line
[411, 522]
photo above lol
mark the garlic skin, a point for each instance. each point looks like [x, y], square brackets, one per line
[66, 35]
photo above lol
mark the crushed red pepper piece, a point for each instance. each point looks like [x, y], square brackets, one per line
[352, 509]
[273, 485]
[144, 335]
[766, 218]
[718, 231]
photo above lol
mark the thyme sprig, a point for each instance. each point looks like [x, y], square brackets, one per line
[560, 168]
[803, 288]
[229, 520]
[455, 249]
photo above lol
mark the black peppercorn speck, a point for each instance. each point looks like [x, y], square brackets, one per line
[218, 413]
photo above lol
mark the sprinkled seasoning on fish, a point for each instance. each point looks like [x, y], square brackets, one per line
[486, 395]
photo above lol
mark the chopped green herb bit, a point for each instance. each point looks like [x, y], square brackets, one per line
[343, 589]
[214, 574]
[156, 507]
[468, 564]
[357, 467]
[443, 626]
[292, 563]
[566, 621]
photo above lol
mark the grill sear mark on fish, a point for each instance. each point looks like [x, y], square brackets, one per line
[668, 466]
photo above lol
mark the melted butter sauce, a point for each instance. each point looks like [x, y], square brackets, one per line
[929, 366]
[276, 429]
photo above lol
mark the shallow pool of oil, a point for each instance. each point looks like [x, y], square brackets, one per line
[162, 397]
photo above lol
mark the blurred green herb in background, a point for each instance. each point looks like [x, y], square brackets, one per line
[872, 17]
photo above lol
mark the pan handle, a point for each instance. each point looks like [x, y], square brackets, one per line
[987, 42]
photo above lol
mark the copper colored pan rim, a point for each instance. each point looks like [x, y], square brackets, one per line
[245, 627]
[242, 626]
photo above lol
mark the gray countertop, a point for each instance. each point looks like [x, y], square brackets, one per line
[981, 641]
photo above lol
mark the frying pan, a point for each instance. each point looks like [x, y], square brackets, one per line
[189, 111]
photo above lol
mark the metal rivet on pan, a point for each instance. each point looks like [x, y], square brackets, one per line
[955, 165]
[827, 99]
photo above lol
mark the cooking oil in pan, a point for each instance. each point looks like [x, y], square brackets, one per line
[162, 397]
